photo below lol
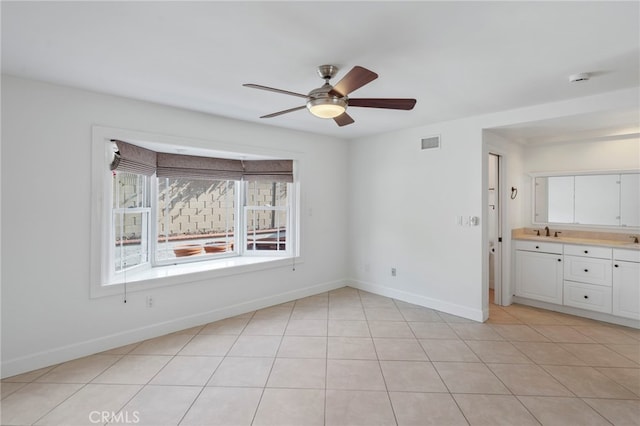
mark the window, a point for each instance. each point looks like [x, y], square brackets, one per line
[166, 215]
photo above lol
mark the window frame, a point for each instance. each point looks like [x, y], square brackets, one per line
[148, 276]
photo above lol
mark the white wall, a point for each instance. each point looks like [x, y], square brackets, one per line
[47, 315]
[404, 202]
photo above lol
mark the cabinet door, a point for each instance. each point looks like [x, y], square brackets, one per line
[587, 270]
[630, 200]
[539, 276]
[597, 199]
[626, 289]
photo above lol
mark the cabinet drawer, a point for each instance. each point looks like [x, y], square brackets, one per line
[587, 270]
[628, 255]
[586, 296]
[588, 251]
[542, 247]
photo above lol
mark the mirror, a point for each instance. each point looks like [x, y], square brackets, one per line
[606, 199]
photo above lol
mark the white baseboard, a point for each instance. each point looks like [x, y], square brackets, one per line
[89, 347]
[427, 302]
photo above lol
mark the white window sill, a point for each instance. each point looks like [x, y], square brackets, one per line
[191, 272]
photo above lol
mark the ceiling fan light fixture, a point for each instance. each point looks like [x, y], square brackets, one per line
[327, 107]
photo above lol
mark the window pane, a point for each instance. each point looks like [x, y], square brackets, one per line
[266, 229]
[266, 194]
[195, 217]
[130, 239]
[130, 190]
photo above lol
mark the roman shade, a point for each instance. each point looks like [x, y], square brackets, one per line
[133, 159]
[268, 170]
[194, 167]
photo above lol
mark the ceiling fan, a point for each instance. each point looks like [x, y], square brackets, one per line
[330, 101]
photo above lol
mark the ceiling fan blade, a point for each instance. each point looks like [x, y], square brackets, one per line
[355, 79]
[271, 89]
[343, 119]
[275, 114]
[389, 103]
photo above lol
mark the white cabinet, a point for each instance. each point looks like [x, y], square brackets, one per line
[626, 283]
[587, 277]
[539, 271]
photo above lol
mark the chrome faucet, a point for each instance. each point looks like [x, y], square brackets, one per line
[546, 230]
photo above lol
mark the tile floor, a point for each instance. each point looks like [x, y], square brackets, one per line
[349, 357]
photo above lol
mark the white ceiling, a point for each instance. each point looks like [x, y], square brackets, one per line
[456, 58]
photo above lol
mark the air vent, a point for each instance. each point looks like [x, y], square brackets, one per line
[431, 142]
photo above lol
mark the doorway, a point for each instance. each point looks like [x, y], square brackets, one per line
[494, 224]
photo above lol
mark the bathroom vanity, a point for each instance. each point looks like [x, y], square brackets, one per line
[595, 275]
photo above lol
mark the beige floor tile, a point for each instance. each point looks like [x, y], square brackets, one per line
[528, 380]
[454, 319]
[411, 376]
[475, 332]
[223, 407]
[277, 313]
[383, 314]
[208, 345]
[191, 331]
[133, 369]
[260, 346]
[165, 345]
[247, 372]
[290, 407]
[421, 315]
[497, 352]
[298, 373]
[160, 405]
[547, 353]
[519, 333]
[562, 411]
[7, 388]
[311, 327]
[86, 406]
[448, 350]
[30, 376]
[500, 316]
[121, 350]
[233, 326]
[351, 348]
[428, 330]
[606, 334]
[81, 370]
[632, 332]
[618, 412]
[25, 406]
[315, 300]
[358, 408]
[342, 312]
[426, 409]
[627, 377]
[399, 349]
[187, 371]
[370, 300]
[494, 410]
[265, 327]
[396, 329]
[464, 377]
[562, 334]
[354, 375]
[588, 382]
[303, 347]
[346, 328]
[310, 312]
[630, 351]
[597, 355]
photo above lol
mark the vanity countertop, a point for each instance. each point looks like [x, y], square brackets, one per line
[601, 239]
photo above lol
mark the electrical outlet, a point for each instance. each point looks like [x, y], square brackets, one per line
[149, 301]
[393, 272]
